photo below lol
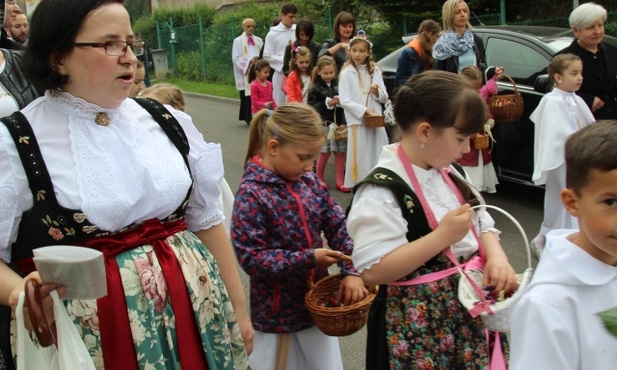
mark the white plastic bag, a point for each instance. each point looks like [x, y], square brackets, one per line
[71, 353]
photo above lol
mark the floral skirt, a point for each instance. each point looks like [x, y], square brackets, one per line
[151, 313]
[426, 327]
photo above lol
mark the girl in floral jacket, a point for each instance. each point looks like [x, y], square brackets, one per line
[280, 212]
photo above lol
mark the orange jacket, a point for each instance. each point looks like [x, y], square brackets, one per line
[293, 88]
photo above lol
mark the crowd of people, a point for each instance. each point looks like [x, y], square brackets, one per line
[92, 156]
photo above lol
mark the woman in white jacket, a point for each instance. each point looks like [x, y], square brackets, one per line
[362, 91]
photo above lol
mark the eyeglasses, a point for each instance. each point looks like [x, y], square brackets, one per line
[116, 48]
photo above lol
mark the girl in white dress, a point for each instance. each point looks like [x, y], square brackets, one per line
[559, 114]
[361, 91]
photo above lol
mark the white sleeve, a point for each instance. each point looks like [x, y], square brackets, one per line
[376, 225]
[15, 195]
[346, 87]
[541, 338]
[206, 162]
[241, 63]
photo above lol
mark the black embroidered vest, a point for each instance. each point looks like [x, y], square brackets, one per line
[48, 223]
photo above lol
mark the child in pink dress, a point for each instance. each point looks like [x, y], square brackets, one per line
[261, 88]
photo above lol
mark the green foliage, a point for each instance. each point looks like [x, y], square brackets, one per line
[185, 16]
[609, 319]
[262, 14]
[146, 27]
[188, 66]
[137, 8]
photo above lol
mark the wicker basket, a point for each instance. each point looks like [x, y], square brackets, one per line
[481, 141]
[499, 320]
[507, 107]
[340, 133]
[336, 321]
[374, 121]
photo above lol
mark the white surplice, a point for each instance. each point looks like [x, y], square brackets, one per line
[117, 175]
[555, 325]
[364, 144]
[241, 55]
[277, 40]
[558, 116]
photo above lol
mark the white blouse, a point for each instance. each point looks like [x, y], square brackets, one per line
[126, 172]
[376, 224]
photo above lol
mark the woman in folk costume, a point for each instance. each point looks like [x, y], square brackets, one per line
[279, 38]
[244, 53]
[559, 114]
[362, 91]
[84, 165]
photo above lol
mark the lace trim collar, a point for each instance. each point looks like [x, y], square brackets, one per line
[77, 107]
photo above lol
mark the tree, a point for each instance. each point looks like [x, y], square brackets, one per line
[137, 8]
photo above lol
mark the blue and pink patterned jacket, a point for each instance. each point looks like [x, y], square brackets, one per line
[276, 226]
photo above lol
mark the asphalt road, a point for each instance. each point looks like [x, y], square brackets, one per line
[217, 120]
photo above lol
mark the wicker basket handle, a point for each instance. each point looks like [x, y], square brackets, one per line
[515, 89]
[516, 223]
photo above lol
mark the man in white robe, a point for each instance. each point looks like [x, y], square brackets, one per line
[279, 37]
[244, 53]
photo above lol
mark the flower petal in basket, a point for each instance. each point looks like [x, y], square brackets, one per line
[499, 318]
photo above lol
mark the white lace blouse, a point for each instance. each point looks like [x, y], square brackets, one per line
[126, 172]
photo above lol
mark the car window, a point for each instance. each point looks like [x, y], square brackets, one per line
[520, 61]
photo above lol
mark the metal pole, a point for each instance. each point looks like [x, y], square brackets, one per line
[172, 44]
[574, 4]
[158, 36]
[502, 12]
[330, 20]
[202, 48]
[233, 26]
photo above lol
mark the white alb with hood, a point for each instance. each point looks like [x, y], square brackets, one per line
[276, 41]
[554, 326]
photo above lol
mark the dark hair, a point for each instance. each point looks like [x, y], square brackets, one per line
[257, 66]
[305, 26]
[289, 8]
[593, 147]
[53, 29]
[343, 18]
[560, 63]
[443, 99]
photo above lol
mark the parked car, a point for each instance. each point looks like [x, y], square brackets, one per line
[524, 52]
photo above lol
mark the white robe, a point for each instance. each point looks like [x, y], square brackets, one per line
[554, 325]
[241, 55]
[126, 172]
[277, 40]
[558, 116]
[363, 144]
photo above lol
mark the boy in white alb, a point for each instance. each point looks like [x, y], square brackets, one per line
[278, 38]
[555, 324]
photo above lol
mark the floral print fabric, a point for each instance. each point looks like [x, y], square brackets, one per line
[151, 314]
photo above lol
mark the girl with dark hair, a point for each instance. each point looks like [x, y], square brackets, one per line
[344, 29]
[418, 55]
[304, 37]
[84, 165]
[410, 222]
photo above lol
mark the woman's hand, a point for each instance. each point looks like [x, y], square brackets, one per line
[454, 225]
[47, 301]
[499, 274]
[352, 290]
[324, 257]
[499, 73]
[597, 104]
[247, 331]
